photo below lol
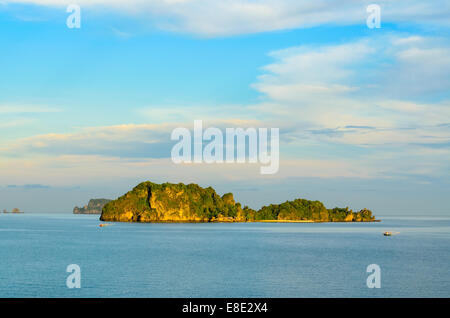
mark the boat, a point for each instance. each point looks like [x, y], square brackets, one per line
[388, 233]
[104, 224]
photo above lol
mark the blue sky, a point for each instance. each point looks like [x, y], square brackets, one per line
[364, 114]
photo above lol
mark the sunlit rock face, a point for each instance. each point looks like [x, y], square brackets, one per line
[168, 202]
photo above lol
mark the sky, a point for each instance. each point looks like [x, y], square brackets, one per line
[363, 113]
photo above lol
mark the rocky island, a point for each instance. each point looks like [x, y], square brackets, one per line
[94, 206]
[169, 202]
[15, 210]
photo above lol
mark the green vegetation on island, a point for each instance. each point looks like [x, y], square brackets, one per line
[301, 209]
[168, 202]
[94, 206]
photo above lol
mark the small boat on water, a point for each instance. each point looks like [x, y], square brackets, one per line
[104, 224]
[388, 233]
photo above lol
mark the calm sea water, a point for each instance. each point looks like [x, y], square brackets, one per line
[222, 260]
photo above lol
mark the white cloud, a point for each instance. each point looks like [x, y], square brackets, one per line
[229, 17]
[151, 141]
[305, 73]
[422, 67]
[16, 123]
[359, 100]
[343, 85]
[321, 101]
[66, 170]
[125, 141]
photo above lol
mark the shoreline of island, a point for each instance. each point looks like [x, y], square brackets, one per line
[310, 221]
[228, 222]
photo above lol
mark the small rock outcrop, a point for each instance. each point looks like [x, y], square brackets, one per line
[94, 206]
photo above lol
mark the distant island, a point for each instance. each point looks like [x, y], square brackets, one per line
[94, 206]
[169, 202]
[15, 210]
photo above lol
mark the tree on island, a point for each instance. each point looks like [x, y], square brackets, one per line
[4, 211]
[15, 210]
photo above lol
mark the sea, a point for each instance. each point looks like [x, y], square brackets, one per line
[223, 259]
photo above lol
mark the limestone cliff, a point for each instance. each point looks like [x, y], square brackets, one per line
[168, 202]
[94, 206]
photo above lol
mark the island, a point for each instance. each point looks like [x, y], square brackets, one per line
[169, 203]
[94, 206]
[15, 211]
